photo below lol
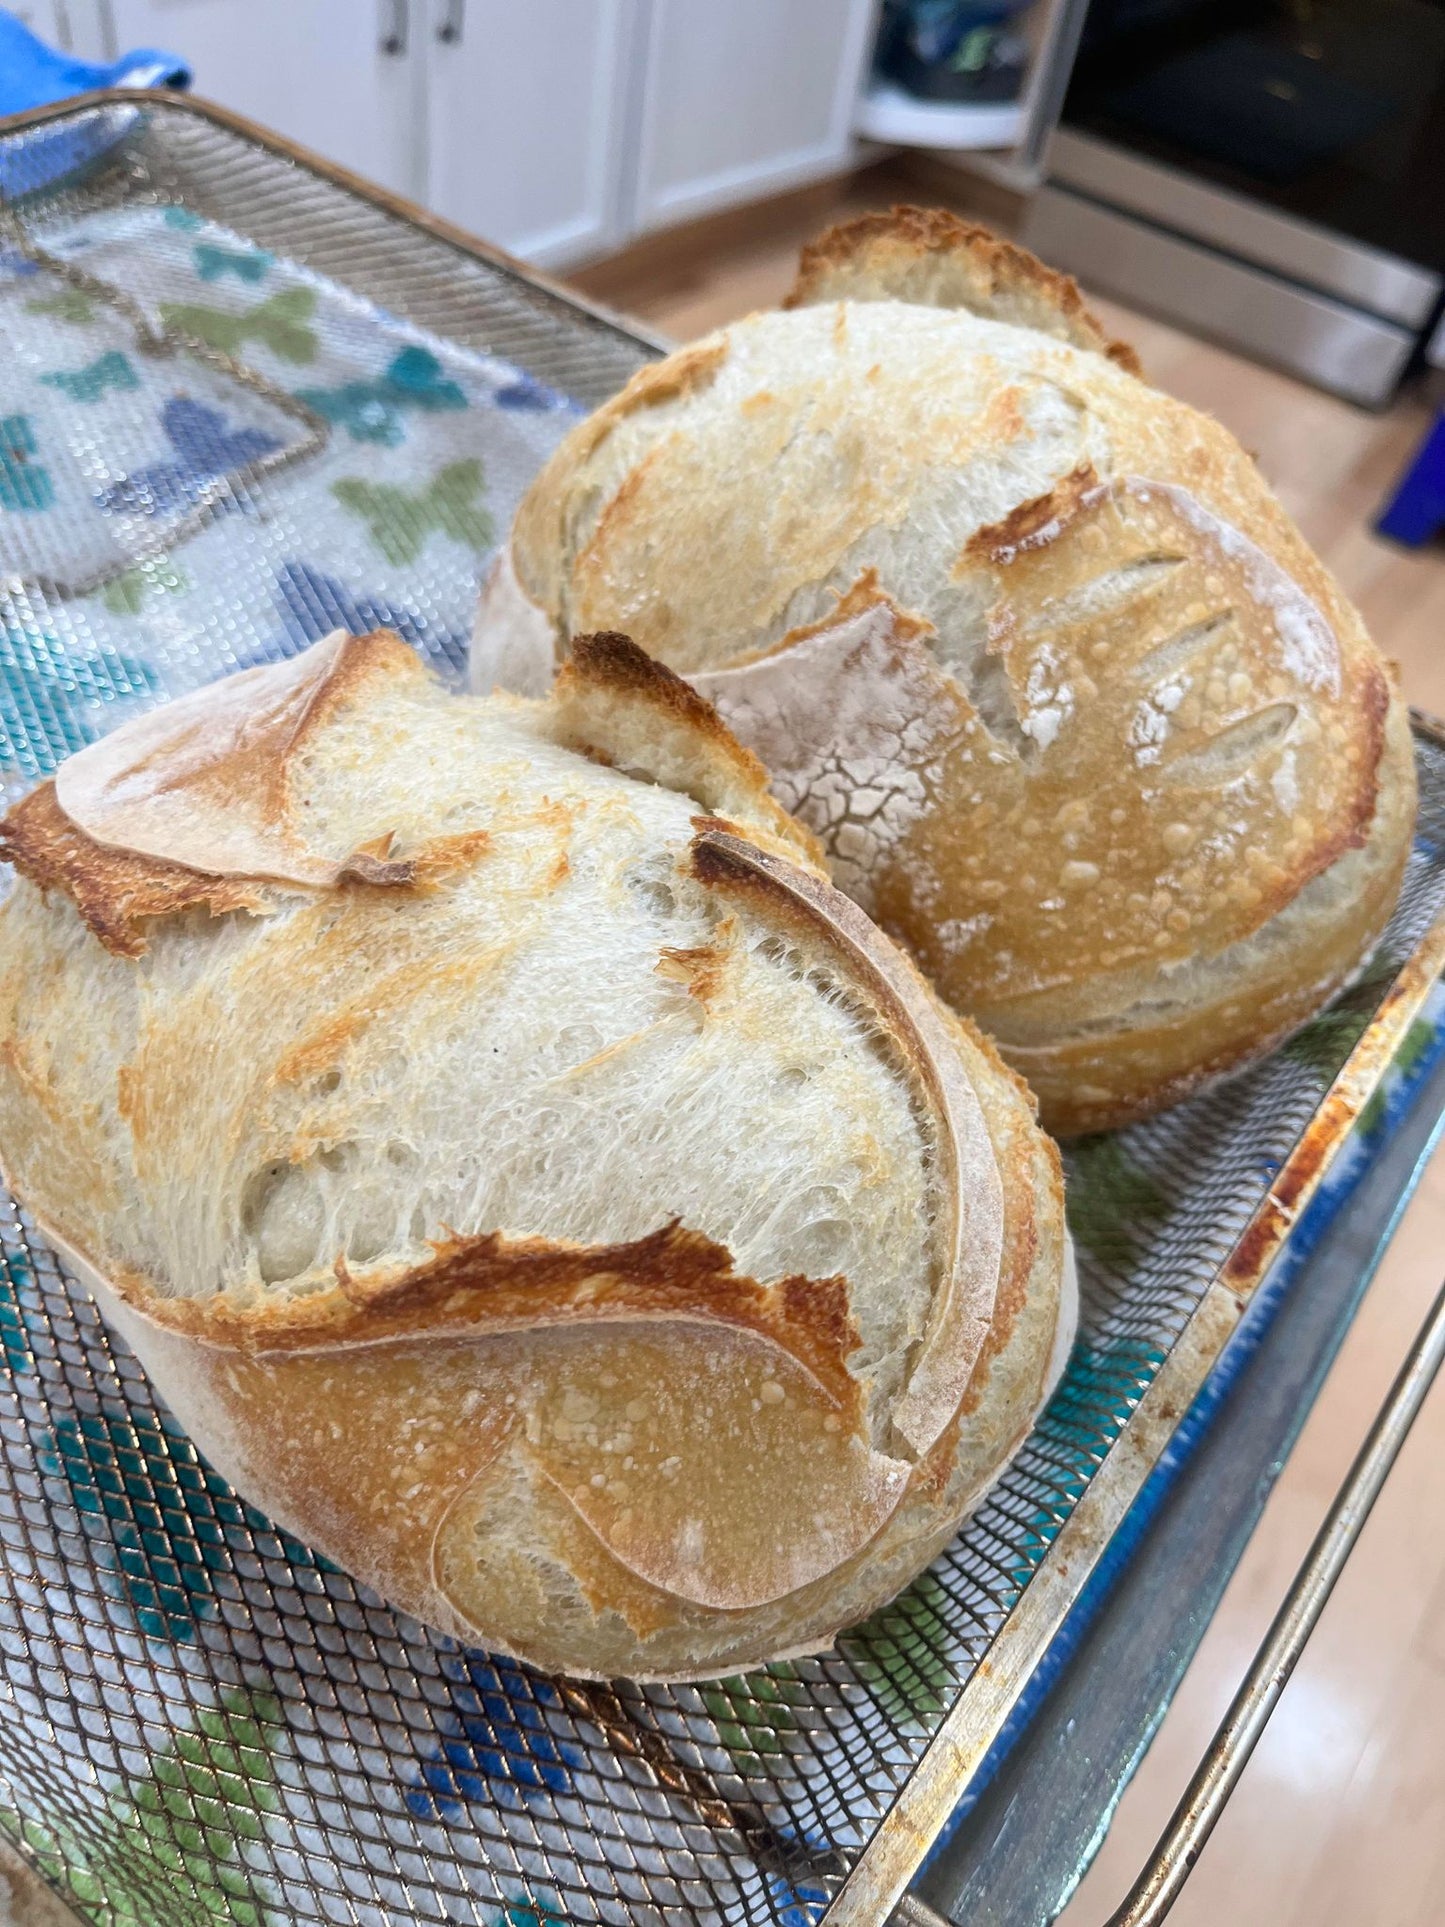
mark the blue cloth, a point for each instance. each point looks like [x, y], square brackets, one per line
[34, 75]
[1415, 511]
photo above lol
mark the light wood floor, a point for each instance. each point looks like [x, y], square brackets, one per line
[1340, 1818]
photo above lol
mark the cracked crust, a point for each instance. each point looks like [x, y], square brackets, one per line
[931, 257]
[854, 717]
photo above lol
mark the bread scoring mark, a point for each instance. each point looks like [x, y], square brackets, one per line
[854, 717]
[1032, 524]
[494, 1283]
[965, 1173]
[930, 257]
[1308, 645]
[1127, 584]
[1178, 650]
[1235, 750]
[1187, 769]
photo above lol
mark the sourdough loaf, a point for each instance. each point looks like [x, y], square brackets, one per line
[1074, 709]
[527, 1179]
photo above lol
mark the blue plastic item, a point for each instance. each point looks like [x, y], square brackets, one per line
[1416, 510]
[34, 75]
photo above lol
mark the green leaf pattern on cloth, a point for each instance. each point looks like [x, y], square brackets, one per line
[71, 305]
[900, 1653]
[281, 324]
[129, 593]
[400, 520]
[172, 1838]
[1111, 1201]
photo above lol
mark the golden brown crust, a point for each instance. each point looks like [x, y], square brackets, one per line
[613, 664]
[1105, 1080]
[116, 893]
[654, 1455]
[906, 254]
[1195, 744]
[493, 1284]
[1084, 761]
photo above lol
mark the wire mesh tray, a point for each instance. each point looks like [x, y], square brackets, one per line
[199, 1719]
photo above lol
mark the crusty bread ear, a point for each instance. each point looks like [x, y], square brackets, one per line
[205, 781]
[933, 259]
[621, 706]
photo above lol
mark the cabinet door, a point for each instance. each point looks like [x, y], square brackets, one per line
[46, 20]
[527, 107]
[340, 76]
[743, 98]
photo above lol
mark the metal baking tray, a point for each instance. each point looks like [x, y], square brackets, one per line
[199, 1718]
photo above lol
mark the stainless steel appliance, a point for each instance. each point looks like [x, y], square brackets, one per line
[1271, 173]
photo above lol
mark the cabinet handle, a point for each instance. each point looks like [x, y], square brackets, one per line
[454, 23]
[393, 40]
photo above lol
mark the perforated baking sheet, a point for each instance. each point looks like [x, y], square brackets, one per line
[242, 402]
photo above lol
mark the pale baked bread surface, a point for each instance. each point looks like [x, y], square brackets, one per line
[525, 1176]
[1076, 712]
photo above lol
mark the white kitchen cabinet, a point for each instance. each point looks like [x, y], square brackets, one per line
[339, 76]
[46, 19]
[742, 98]
[528, 105]
[558, 129]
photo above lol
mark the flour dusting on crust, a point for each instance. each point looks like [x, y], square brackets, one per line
[854, 719]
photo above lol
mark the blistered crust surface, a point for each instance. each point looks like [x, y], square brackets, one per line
[1184, 751]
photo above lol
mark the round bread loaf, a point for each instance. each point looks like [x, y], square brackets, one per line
[524, 1175]
[1074, 709]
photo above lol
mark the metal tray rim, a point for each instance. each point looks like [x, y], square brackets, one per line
[881, 1875]
[196, 106]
